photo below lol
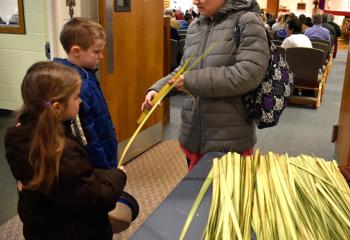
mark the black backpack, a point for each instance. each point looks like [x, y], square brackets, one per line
[266, 103]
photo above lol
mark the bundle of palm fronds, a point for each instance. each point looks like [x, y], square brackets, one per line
[275, 197]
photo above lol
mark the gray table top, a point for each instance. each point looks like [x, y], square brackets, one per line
[167, 221]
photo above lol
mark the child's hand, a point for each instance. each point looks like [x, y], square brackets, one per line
[122, 168]
[148, 100]
[19, 186]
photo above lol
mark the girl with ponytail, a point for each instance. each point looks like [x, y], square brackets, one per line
[61, 196]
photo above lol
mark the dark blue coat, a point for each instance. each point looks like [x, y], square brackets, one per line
[97, 128]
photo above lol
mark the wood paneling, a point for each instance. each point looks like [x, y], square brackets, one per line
[138, 57]
[343, 139]
[166, 68]
[272, 7]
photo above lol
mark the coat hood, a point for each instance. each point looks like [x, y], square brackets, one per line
[231, 6]
[238, 5]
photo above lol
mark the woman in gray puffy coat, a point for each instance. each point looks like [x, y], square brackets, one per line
[215, 118]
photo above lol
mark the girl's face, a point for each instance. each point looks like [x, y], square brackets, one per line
[208, 8]
[70, 111]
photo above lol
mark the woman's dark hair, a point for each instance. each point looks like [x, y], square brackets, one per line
[188, 17]
[294, 26]
[308, 22]
[302, 18]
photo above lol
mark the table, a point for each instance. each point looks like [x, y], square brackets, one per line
[167, 221]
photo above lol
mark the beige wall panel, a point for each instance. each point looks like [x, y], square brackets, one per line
[19, 51]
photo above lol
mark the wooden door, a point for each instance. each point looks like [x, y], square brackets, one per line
[137, 52]
[272, 7]
[343, 137]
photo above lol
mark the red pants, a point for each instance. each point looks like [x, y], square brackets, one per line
[193, 158]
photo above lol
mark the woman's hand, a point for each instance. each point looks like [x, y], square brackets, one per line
[180, 84]
[148, 100]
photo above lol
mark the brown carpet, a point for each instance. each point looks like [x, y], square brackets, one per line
[151, 177]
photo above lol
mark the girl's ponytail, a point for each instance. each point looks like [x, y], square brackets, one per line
[44, 84]
[46, 150]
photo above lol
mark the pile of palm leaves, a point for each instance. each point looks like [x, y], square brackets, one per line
[275, 197]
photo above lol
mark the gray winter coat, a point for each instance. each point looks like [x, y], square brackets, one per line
[215, 118]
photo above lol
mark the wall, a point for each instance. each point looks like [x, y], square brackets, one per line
[60, 15]
[262, 3]
[340, 5]
[19, 51]
[292, 6]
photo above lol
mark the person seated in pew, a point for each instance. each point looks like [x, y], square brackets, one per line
[302, 22]
[308, 22]
[317, 31]
[295, 37]
[187, 22]
[279, 24]
[325, 24]
[330, 20]
[174, 25]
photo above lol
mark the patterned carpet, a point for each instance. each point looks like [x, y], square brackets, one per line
[151, 177]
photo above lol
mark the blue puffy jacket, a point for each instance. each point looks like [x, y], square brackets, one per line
[94, 126]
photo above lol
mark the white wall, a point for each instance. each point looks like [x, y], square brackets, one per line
[19, 51]
[7, 8]
[292, 6]
[339, 5]
[262, 3]
[60, 15]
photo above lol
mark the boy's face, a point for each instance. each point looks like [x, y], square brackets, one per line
[91, 57]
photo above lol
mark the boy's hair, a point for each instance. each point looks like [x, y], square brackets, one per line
[44, 84]
[82, 32]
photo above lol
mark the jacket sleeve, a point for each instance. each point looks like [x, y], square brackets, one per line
[82, 188]
[160, 83]
[94, 148]
[245, 74]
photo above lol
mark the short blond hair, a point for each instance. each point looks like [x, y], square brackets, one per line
[82, 32]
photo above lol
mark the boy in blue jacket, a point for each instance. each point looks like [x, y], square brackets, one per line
[83, 40]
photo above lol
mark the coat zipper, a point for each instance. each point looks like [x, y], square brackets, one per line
[199, 119]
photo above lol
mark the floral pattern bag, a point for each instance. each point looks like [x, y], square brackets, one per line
[266, 103]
